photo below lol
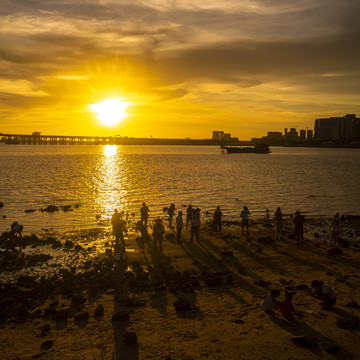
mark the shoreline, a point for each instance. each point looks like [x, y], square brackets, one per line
[221, 282]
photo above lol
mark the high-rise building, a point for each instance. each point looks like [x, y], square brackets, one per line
[302, 135]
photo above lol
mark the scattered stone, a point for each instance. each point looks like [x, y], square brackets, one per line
[69, 244]
[352, 304]
[333, 349]
[30, 211]
[226, 253]
[50, 208]
[1, 204]
[78, 247]
[121, 316]
[47, 344]
[334, 251]
[182, 305]
[265, 240]
[347, 324]
[45, 330]
[130, 338]
[304, 341]
[99, 311]
[302, 287]
[81, 316]
[78, 300]
[170, 236]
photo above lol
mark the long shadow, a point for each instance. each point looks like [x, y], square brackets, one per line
[121, 350]
[299, 328]
[312, 264]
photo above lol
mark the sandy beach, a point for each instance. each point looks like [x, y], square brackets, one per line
[217, 286]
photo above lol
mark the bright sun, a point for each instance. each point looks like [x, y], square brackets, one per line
[110, 111]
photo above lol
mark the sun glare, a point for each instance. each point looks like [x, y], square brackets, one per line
[110, 111]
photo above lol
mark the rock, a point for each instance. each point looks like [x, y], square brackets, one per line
[97, 217]
[50, 208]
[45, 330]
[344, 243]
[1, 204]
[50, 313]
[78, 247]
[121, 316]
[81, 316]
[170, 236]
[213, 281]
[302, 287]
[130, 338]
[304, 341]
[87, 264]
[30, 210]
[333, 349]
[69, 244]
[265, 240]
[352, 304]
[182, 305]
[99, 311]
[334, 251]
[229, 279]
[226, 253]
[78, 300]
[47, 344]
[347, 324]
[62, 314]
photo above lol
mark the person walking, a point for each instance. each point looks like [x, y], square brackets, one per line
[217, 219]
[158, 233]
[195, 225]
[144, 211]
[245, 220]
[179, 226]
[278, 223]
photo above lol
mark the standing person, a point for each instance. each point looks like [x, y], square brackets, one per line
[144, 235]
[245, 220]
[144, 211]
[217, 219]
[278, 223]
[171, 213]
[118, 229]
[189, 213]
[179, 225]
[195, 225]
[158, 233]
[335, 231]
[299, 227]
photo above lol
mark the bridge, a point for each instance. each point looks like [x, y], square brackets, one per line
[37, 139]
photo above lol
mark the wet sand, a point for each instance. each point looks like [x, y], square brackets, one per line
[220, 283]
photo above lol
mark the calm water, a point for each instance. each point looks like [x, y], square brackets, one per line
[100, 178]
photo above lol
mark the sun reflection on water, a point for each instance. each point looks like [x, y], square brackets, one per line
[111, 181]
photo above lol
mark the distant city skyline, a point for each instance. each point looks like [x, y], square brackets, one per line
[176, 69]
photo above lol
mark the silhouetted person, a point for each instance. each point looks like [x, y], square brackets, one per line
[179, 226]
[267, 215]
[278, 223]
[323, 292]
[245, 220]
[171, 213]
[16, 235]
[195, 225]
[287, 307]
[335, 229]
[118, 225]
[189, 213]
[217, 219]
[144, 211]
[270, 301]
[158, 233]
[299, 227]
[144, 235]
[120, 265]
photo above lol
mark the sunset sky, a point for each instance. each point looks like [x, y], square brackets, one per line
[185, 67]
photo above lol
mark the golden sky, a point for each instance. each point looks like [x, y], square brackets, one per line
[185, 67]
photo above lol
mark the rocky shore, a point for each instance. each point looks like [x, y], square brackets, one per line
[194, 301]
